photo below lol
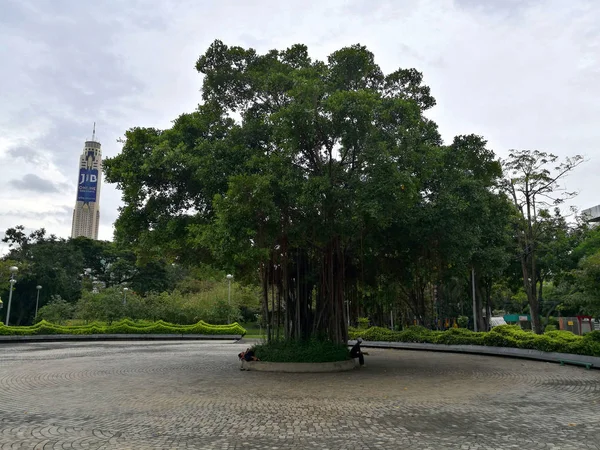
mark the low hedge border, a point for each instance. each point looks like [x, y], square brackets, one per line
[125, 326]
[510, 336]
[116, 337]
[589, 362]
[302, 352]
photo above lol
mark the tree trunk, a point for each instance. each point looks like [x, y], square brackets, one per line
[530, 285]
[479, 305]
[273, 275]
[265, 297]
[488, 302]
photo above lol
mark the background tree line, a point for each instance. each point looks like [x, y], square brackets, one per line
[325, 185]
[100, 281]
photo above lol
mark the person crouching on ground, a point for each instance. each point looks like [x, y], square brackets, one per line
[356, 352]
[248, 355]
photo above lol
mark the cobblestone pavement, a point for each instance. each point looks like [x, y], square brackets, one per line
[192, 395]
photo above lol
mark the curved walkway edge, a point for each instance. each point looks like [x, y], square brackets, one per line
[119, 337]
[484, 350]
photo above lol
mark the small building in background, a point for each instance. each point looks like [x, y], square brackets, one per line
[576, 325]
[592, 214]
[523, 320]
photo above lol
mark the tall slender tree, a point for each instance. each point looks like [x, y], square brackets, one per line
[532, 181]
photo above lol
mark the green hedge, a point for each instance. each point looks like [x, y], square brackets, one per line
[124, 326]
[500, 336]
[313, 351]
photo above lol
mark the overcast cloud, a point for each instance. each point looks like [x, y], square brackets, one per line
[524, 74]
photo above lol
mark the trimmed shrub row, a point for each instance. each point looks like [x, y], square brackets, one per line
[500, 336]
[124, 326]
[313, 351]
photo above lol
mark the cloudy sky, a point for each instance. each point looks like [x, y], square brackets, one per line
[523, 73]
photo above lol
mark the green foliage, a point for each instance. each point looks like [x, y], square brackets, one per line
[125, 326]
[205, 300]
[587, 277]
[107, 306]
[533, 181]
[56, 311]
[59, 266]
[508, 336]
[363, 323]
[312, 351]
[593, 336]
[316, 177]
[550, 327]
[417, 334]
[372, 334]
[462, 321]
[459, 336]
[221, 313]
[325, 158]
[500, 336]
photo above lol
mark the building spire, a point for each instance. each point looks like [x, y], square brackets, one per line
[94, 133]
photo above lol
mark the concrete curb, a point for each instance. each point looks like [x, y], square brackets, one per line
[265, 366]
[484, 350]
[119, 337]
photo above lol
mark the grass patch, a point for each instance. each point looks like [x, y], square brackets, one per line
[312, 351]
[124, 326]
[500, 336]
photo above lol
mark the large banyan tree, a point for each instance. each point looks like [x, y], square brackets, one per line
[322, 180]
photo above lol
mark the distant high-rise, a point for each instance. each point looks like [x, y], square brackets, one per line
[592, 214]
[86, 215]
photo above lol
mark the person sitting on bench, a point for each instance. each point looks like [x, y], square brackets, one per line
[356, 352]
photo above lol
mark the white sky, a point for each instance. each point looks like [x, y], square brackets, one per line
[524, 74]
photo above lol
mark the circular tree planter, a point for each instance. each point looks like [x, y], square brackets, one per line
[293, 367]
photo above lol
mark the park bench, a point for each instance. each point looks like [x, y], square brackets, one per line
[588, 365]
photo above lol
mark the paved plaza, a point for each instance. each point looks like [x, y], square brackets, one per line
[192, 395]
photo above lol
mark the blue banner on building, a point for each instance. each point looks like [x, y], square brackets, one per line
[88, 182]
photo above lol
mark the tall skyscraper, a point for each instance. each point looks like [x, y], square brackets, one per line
[86, 215]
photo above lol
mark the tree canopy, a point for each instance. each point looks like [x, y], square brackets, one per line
[59, 266]
[325, 184]
[324, 181]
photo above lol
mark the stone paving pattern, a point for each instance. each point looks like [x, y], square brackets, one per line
[192, 395]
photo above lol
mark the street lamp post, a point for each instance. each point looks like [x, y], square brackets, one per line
[229, 278]
[37, 300]
[13, 270]
[125, 296]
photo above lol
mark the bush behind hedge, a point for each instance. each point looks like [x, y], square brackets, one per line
[125, 326]
[500, 336]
